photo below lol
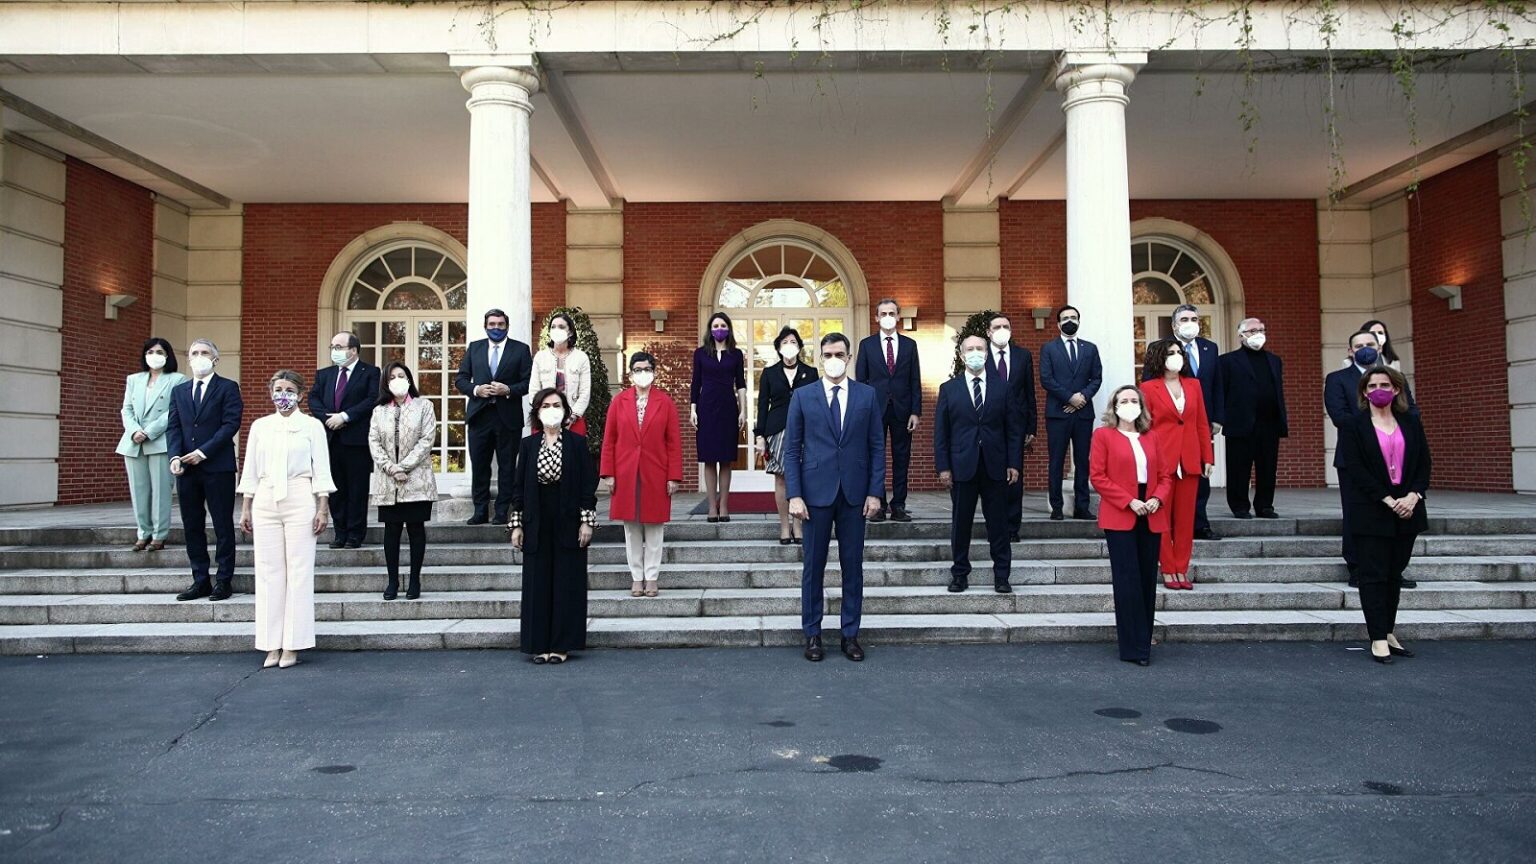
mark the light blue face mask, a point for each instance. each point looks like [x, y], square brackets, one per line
[974, 360]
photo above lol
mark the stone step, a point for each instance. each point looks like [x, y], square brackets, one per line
[783, 631]
[730, 603]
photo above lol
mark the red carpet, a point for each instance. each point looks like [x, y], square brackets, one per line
[743, 502]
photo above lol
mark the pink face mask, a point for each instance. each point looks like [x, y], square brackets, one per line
[1381, 398]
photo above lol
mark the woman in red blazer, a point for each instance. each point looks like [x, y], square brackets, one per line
[1183, 434]
[1133, 481]
[643, 459]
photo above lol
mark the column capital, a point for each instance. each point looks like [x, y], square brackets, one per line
[506, 79]
[1092, 76]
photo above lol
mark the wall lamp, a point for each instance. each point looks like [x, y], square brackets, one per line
[1041, 314]
[659, 316]
[1449, 293]
[118, 301]
[908, 315]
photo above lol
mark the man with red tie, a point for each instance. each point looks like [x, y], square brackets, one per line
[343, 398]
[887, 361]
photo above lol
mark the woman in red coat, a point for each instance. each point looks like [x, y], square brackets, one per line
[1133, 481]
[1183, 434]
[643, 460]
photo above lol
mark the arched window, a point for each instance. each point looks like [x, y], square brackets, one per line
[1165, 273]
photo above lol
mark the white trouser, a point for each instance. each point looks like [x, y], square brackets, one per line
[284, 544]
[642, 544]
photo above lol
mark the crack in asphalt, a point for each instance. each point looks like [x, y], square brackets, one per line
[1019, 781]
[204, 720]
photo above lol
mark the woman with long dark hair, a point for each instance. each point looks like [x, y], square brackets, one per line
[777, 383]
[1383, 343]
[401, 435]
[718, 410]
[563, 366]
[146, 414]
[1183, 435]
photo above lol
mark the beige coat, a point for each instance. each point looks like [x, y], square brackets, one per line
[402, 439]
[578, 377]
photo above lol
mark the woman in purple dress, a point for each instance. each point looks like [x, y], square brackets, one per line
[718, 410]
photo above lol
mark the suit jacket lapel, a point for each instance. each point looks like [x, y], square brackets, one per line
[197, 407]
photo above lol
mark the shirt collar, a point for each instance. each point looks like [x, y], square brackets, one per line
[827, 385]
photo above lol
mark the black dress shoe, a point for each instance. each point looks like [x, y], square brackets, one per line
[711, 519]
[797, 541]
[221, 591]
[785, 541]
[1268, 513]
[413, 589]
[1399, 652]
[957, 584]
[477, 519]
[337, 544]
[851, 649]
[1137, 662]
[813, 650]
[354, 544]
[195, 592]
[1385, 661]
[1083, 514]
[501, 519]
[391, 590]
[1206, 534]
[878, 517]
[1002, 587]
[1242, 515]
[900, 516]
[1409, 583]
[1056, 516]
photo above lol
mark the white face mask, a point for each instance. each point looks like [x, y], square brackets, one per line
[200, 365]
[835, 367]
[1189, 330]
[1001, 335]
[1175, 363]
[642, 378]
[551, 418]
[154, 361]
[339, 357]
[1130, 412]
[974, 360]
[558, 335]
[399, 386]
[1256, 341]
[789, 350]
[887, 322]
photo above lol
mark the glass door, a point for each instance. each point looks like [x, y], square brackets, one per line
[433, 347]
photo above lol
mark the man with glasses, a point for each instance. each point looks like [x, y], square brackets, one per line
[1254, 398]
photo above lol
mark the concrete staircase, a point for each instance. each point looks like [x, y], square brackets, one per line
[66, 590]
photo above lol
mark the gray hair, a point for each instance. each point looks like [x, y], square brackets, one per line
[892, 301]
[1243, 324]
[1184, 307]
[209, 342]
[288, 375]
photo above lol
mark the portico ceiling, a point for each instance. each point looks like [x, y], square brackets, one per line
[741, 131]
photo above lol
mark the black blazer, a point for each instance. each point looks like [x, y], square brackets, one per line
[1341, 398]
[210, 427]
[1209, 376]
[1365, 476]
[1241, 394]
[903, 390]
[773, 392]
[961, 437]
[578, 489]
[1021, 383]
[1060, 379]
[516, 366]
[357, 402]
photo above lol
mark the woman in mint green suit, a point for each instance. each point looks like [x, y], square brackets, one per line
[146, 410]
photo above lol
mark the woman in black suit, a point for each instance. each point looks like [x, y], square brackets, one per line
[554, 509]
[1386, 463]
[774, 388]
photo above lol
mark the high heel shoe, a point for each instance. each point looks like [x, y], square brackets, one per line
[712, 519]
[1398, 649]
[272, 657]
[785, 541]
[289, 660]
[1384, 659]
[413, 590]
[1185, 583]
[1171, 582]
[391, 589]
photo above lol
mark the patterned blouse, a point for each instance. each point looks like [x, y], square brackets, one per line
[548, 472]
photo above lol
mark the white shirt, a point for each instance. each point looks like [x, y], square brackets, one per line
[895, 345]
[842, 397]
[970, 382]
[296, 442]
[789, 374]
[1140, 454]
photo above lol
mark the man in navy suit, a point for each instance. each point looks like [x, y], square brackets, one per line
[887, 361]
[1341, 398]
[494, 375]
[834, 471]
[978, 448]
[1015, 366]
[1254, 380]
[1203, 359]
[1070, 374]
[342, 398]
[200, 441]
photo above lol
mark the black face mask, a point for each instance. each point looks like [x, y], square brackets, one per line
[1069, 328]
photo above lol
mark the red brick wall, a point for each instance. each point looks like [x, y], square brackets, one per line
[1273, 244]
[667, 247]
[109, 226]
[289, 247]
[1455, 238]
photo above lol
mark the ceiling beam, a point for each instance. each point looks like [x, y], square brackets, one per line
[1453, 150]
[1039, 162]
[564, 103]
[1007, 122]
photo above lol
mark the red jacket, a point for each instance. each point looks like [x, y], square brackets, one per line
[1112, 468]
[649, 455]
[1183, 439]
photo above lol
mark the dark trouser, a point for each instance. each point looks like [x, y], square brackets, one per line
[1382, 562]
[488, 437]
[418, 535]
[1351, 557]
[1202, 522]
[849, 522]
[1078, 432]
[1133, 572]
[351, 467]
[901, 458]
[203, 495]
[1014, 497]
[1259, 455]
[994, 509]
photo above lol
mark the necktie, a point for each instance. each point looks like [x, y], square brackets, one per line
[976, 394]
[1072, 352]
[1193, 352]
[197, 395]
[890, 356]
[837, 414]
[1002, 363]
[341, 387]
[495, 358]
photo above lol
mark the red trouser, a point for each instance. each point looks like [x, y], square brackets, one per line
[1179, 539]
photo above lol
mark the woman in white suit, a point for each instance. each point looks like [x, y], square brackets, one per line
[562, 366]
[146, 411]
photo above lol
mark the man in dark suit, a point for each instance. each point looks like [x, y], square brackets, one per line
[494, 375]
[1015, 366]
[200, 441]
[1070, 374]
[978, 447]
[834, 470]
[1341, 398]
[342, 398]
[887, 361]
[1202, 359]
[1254, 383]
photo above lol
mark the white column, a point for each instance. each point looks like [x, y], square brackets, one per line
[500, 218]
[1098, 204]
